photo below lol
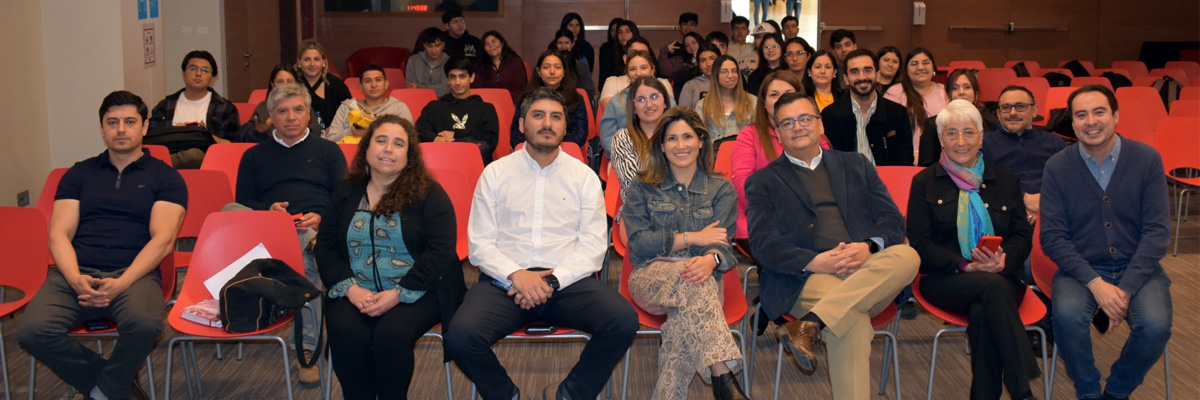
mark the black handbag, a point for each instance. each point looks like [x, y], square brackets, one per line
[180, 138]
[264, 292]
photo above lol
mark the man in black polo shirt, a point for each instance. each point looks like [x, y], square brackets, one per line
[115, 219]
[294, 172]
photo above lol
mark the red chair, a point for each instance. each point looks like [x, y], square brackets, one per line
[257, 96]
[1120, 71]
[967, 64]
[1141, 109]
[1088, 65]
[734, 308]
[612, 194]
[454, 155]
[1185, 108]
[1056, 97]
[225, 237]
[992, 81]
[166, 269]
[207, 194]
[386, 57]
[1191, 68]
[1136, 69]
[160, 152]
[226, 157]
[1091, 80]
[1031, 310]
[394, 76]
[1042, 269]
[461, 194]
[503, 102]
[353, 82]
[724, 162]
[1189, 92]
[1042, 72]
[593, 124]
[1030, 65]
[1177, 140]
[415, 99]
[898, 180]
[45, 202]
[570, 148]
[245, 111]
[21, 242]
[349, 150]
[1145, 81]
[357, 93]
[1039, 87]
[1177, 74]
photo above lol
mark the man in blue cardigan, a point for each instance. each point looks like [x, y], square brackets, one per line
[1104, 222]
[831, 244]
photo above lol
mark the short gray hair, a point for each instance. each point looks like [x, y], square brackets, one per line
[959, 110]
[542, 93]
[288, 90]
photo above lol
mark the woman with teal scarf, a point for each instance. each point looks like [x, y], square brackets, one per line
[953, 204]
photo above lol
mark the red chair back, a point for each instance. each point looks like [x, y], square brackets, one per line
[1119, 71]
[353, 82]
[1189, 92]
[1039, 87]
[459, 156]
[898, 180]
[395, 76]
[226, 157]
[45, 202]
[1191, 68]
[968, 64]
[208, 192]
[23, 239]
[1145, 81]
[357, 93]
[415, 99]
[1185, 108]
[1088, 65]
[1136, 69]
[1040, 265]
[1175, 73]
[1091, 80]
[593, 123]
[224, 238]
[1141, 109]
[349, 150]
[245, 111]
[160, 152]
[386, 57]
[257, 96]
[612, 193]
[1056, 97]
[1042, 72]
[461, 194]
[1177, 140]
[724, 162]
[503, 102]
[992, 81]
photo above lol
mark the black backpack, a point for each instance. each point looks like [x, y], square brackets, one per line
[262, 293]
[180, 138]
[1168, 88]
[1056, 79]
[1021, 69]
[1117, 80]
[1076, 68]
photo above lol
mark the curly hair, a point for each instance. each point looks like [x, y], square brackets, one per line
[414, 180]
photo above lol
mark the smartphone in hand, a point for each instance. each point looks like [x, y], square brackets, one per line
[990, 242]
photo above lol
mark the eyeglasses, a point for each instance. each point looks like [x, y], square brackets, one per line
[1020, 107]
[796, 53]
[642, 99]
[804, 120]
[771, 47]
[969, 134]
[925, 62]
[194, 68]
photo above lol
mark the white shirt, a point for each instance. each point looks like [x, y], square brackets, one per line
[275, 135]
[191, 111]
[524, 216]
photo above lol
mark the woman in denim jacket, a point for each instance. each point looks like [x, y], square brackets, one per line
[680, 218]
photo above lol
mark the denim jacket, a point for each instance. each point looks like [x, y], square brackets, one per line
[654, 214]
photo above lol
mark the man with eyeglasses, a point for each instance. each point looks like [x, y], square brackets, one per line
[861, 121]
[196, 106]
[1020, 148]
[831, 245]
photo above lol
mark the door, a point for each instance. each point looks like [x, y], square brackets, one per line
[252, 45]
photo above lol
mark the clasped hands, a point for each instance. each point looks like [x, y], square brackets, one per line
[372, 304]
[1111, 299]
[529, 289]
[843, 260]
[97, 292]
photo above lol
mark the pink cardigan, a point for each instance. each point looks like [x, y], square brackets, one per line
[748, 158]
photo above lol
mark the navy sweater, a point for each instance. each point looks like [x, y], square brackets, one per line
[1124, 226]
[303, 175]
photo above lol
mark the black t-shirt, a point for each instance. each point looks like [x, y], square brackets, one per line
[114, 206]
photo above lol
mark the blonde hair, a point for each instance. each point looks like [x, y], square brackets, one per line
[311, 44]
[714, 111]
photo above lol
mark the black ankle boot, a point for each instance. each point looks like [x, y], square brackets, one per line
[726, 387]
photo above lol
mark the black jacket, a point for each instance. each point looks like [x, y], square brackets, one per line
[429, 230]
[222, 120]
[888, 131]
[472, 120]
[933, 215]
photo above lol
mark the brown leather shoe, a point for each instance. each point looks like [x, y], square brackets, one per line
[800, 337]
[309, 375]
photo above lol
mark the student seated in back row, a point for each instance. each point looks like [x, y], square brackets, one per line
[460, 116]
[352, 118]
[196, 104]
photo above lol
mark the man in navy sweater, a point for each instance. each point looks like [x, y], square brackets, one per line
[1104, 222]
[295, 172]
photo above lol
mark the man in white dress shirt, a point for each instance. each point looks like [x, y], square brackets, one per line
[537, 234]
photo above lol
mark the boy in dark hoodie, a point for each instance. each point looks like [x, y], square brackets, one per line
[460, 116]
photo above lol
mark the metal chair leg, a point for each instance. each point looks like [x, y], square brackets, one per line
[4, 363]
[778, 368]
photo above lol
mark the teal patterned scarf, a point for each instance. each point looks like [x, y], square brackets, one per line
[973, 219]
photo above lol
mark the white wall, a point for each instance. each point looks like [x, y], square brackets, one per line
[192, 25]
[25, 157]
[83, 63]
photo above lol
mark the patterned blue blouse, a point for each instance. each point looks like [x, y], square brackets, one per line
[378, 256]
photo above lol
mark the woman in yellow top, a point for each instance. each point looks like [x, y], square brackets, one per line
[822, 80]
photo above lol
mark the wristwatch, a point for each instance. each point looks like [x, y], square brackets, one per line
[717, 258]
[873, 246]
[552, 281]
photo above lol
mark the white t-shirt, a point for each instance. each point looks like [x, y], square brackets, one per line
[187, 111]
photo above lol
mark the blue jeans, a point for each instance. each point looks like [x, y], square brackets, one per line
[1149, 318]
[793, 8]
[760, 12]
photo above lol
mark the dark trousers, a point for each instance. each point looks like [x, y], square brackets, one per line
[1000, 349]
[54, 311]
[373, 356]
[488, 314]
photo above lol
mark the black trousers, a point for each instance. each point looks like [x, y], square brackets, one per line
[54, 311]
[1000, 349]
[373, 356]
[488, 314]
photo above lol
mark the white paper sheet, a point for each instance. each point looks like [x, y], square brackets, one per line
[218, 280]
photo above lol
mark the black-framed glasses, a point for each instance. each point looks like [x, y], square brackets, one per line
[1020, 107]
[804, 121]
